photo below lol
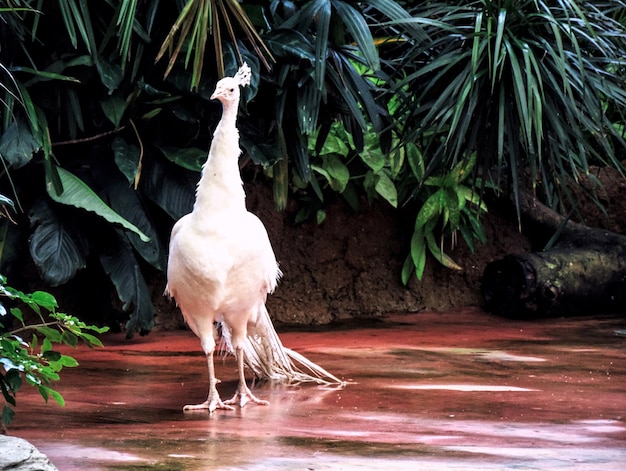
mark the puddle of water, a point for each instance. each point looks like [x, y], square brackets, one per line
[464, 387]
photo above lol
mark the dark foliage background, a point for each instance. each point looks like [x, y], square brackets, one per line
[106, 119]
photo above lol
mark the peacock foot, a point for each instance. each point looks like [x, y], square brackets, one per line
[210, 404]
[244, 395]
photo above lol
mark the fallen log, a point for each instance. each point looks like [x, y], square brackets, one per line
[584, 272]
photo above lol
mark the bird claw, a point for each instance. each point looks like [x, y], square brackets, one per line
[210, 405]
[243, 396]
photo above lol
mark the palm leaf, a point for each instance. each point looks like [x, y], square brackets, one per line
[360, 32]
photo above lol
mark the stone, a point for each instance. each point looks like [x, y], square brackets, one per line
[17, 454]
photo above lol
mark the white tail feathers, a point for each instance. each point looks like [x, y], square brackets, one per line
[243, 75]
[265, 355]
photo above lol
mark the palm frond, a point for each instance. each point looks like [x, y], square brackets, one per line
[196, 21]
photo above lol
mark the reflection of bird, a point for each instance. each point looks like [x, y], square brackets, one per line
[221, 268]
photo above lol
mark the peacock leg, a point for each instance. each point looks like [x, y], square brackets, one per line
[243, 395]
[213, 400]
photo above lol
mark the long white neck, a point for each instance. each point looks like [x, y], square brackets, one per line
[220, 187]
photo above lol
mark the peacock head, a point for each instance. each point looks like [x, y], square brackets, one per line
[227, 89]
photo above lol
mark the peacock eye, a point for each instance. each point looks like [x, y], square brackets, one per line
[232, 90]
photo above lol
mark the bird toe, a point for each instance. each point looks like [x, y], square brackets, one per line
[242, 397]
[210, 405]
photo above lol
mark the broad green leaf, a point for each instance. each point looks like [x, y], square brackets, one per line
[337, 171]
[408, 269]
[320, 216]
[122, 267]
[261, 153]
[13, 380]
[128, 203]
[431, 208]
[47, 391]
[387, 189]
[77, 193]
[126, 158]
[333, 144]
[52, 335]
[17, 313]
[69, 338]
[18, 144]
[57, 250]
[91, 340]
[190, 158]
[68, 361]
[7, 414]
[418, 252]
[110, 73]
[439, 254]
[374, 158]
[114, 107]
[51, 355]
[453, 208]
[471, 195]
[171, 188]
[416, 160]
[45, 300]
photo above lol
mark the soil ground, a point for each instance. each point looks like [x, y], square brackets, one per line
[349, 266]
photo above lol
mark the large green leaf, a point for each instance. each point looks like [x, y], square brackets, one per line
[127, 202]
[190, 158]
[77, 193]
[386, 188]
[171, 188]
[113, 108]
[126, 158]
[120, 264]
[57, 249]
[17, 144]
[335, 172]
[111, 74]
[418, 253]
[374, 157]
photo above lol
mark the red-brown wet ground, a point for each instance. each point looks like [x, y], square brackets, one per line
[430, 391]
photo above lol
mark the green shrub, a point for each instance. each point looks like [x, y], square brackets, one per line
[35, 360]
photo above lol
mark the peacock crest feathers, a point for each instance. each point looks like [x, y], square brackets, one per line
[243, 75]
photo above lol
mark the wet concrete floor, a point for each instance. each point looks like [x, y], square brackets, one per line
[431, 391]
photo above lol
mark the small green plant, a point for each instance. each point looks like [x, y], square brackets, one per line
[449, 207]
[36, 361]
[340, 166]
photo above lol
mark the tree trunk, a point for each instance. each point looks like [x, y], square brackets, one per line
[583, 273]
